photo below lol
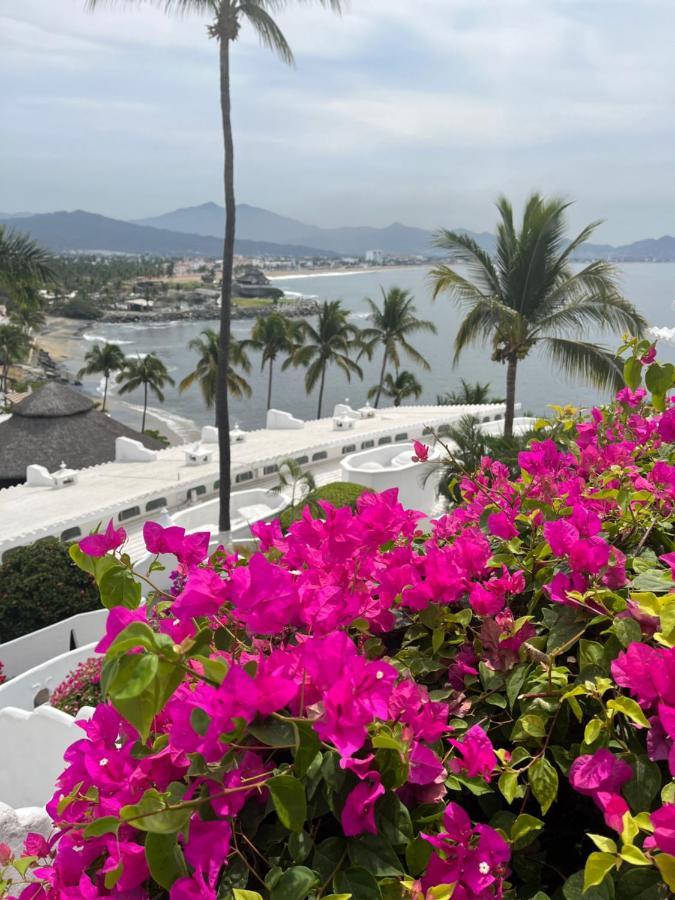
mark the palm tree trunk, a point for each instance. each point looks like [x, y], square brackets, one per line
[323, 380]
[222, 405]
[512, 366]
[105, 392]
[145, 404]
[379, 387]
[269, 386]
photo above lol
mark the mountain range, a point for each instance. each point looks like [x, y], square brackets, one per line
[197, 230]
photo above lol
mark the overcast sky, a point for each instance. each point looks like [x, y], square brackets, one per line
[419, 111]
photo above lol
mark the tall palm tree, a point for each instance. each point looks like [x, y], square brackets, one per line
[528, 295]
[273, 335]
[391, 327]
[206, 371]
[14, 347]
[399, 389]
[23, 264]
[148, 371]
[226, 20]
[103, 359]
[331, 341]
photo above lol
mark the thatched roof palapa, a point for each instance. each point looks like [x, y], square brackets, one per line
[57, 424]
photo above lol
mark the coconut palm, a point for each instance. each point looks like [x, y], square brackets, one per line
[399, 389]
[392, 325]
[470, 393]
[103, 359]
[28, 316]
[330, 342]
[15, 345]
[529, 296]
[23, 264]
[273, 335]
[226, 20]
[147, 371]
[205, 373]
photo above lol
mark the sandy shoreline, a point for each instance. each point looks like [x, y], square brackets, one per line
[284, 274]
[62, 339]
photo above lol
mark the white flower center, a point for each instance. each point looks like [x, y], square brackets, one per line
[103, 762]
[379, 675]
[484, 868]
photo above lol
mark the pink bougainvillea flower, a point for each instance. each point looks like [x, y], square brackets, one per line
[264, 596]
[561, 535]
[669, 560]
[631, 398]
[421, 452]
[358, 813]
[649, 356]
[5, 854]
[666, 426]
[663, 838]
[118, 619]
[36, 845]
[635, 669]
[425, 766]
[207, 846]
[103, 542]
[474, 858]
[477, 755]
[501, 524]
[601, 776]
[194, 888]
[189, 549]
[203, 594]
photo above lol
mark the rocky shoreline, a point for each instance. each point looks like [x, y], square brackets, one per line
[210, 312]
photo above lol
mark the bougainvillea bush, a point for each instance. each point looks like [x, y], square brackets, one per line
[368, 708]
[81, 687]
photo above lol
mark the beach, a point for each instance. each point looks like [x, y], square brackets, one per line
[65, 342]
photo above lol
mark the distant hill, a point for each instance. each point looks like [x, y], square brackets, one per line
[254, 223]
[79, 230]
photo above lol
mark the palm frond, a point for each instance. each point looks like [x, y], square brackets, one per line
[269, 33]
[464, 249]
[595, 364]
[610, 311]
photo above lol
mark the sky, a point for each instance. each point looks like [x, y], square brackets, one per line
[417, 111]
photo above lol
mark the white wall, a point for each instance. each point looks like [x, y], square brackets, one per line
[32, 649]
[407, 477]
[31, 753]
[23, 690]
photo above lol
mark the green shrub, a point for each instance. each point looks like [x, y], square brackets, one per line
[40, 585]
[338, 493]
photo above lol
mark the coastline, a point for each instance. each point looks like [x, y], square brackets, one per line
[285, 274]
[58, 339]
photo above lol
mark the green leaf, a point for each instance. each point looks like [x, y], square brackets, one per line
[524, 830]
[393, 820]
[359, 883]
[118, 587]
[199, 721]
[630, 709]
[23, 864]
[239, 894]
[543, 780]
[392, 767]
[627, 631]
[634, 855]
[607, 845]
[139, 711]
[659, 377]
[638, 884]
[135, 673]
[515, 682]
[308, 747]
[135, 635]
[417, 855]
[112, 876]
[573, 889]
[508, 785]
[593, 730]
[666, 866]
[106, 825]
[300, 846]
[655, 581]
[374, 854]
[290, 802]
[327, 856]
[294, 884]
[632, 372]
[274, 733]
[337, 897]
[645, 784]
[165, 859]
[152, 813]
[598, 865]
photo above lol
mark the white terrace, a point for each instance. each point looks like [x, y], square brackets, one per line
[130, 491]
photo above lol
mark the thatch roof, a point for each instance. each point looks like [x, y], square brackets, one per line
[56, 424]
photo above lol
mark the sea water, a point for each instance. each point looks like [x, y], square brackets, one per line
[650, 286]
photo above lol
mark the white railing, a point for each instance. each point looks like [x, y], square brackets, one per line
[31, 650]
[34, 687]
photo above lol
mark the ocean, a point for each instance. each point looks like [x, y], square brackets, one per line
[650, 286]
